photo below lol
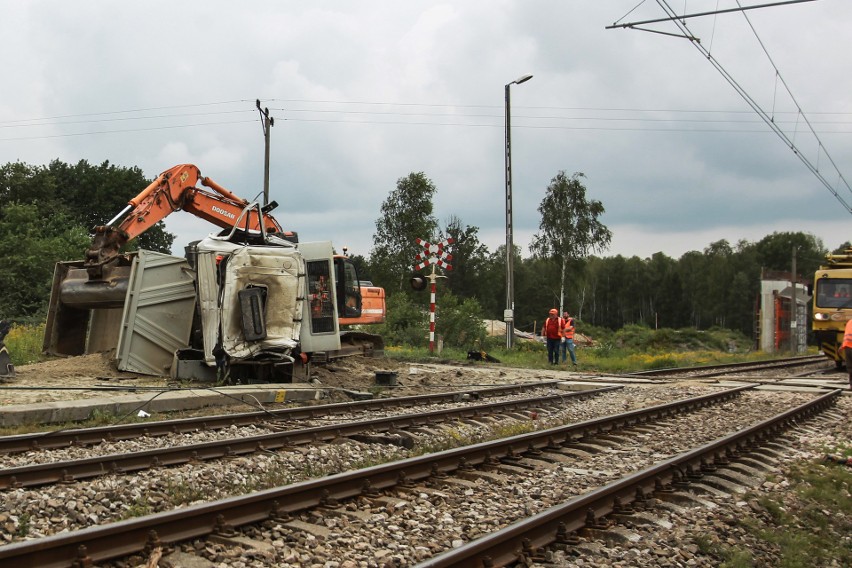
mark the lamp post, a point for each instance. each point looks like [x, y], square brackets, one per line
[509, 312]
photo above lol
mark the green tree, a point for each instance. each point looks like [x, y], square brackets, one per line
[30, 248]
[87, 195]
[666, 292]
[775, 252]
[570, 228]
[469, 260]
[406, 214]
[842, 248]
[96, 194]
[407, 322]
[459, 321]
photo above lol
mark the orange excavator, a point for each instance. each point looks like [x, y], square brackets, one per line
[258, 275]
[175, 190]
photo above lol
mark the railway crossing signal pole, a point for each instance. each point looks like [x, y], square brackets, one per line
[267, 122]
[436, 255]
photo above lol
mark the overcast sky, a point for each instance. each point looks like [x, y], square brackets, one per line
[365, 92]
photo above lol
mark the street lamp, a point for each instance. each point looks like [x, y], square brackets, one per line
[509, 312]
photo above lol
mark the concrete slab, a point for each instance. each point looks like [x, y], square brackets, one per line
[157, 402]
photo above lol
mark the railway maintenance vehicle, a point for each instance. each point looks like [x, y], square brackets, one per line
[832, 303]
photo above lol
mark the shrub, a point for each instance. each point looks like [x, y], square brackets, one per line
[460, 324]
[24, 343]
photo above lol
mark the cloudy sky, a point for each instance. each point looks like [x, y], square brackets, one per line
[365, 92]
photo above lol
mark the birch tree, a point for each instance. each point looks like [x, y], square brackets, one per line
[570, 228]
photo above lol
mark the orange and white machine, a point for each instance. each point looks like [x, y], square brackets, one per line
[250, 303]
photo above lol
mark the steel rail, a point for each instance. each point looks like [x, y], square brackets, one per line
[90, 436]
[766, 364]
[86, 468]
[556, 524]
[102, 543]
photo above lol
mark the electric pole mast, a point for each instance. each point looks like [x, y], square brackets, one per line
[267, 122]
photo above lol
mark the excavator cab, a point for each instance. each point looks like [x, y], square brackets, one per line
[348, 288]
[358, 301]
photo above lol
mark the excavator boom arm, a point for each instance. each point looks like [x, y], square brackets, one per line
[173, 190]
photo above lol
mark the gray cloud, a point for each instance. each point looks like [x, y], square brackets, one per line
[364, 93]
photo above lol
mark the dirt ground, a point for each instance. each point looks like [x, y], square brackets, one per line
[96, 375]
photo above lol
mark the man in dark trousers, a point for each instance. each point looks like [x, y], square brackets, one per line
[552, 331]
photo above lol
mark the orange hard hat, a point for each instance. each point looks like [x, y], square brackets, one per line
[554, 311]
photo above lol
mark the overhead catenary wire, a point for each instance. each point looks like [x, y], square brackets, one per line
[673, 17]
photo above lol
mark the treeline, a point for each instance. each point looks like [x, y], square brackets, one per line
[46, 215]
[716, 287]
[47, 212]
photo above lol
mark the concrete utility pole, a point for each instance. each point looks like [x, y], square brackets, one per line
[509, 312]
[266, 122]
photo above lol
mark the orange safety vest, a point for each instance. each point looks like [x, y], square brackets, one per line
[553, 328]
[568, 329]
[847, 336]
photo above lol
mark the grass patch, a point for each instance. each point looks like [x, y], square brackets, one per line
[24, 343]
[138, 508]
[22, 528]
[809, 526]
[606, 357]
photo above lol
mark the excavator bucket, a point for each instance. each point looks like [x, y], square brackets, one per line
[141, 309]
[84, 315]
[7, 369]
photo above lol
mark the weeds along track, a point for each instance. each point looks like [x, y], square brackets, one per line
[770, 367]
[331, 501]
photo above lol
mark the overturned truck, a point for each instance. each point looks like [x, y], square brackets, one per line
[228, 312]
[249, 304]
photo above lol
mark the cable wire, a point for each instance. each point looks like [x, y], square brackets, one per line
[762, 113]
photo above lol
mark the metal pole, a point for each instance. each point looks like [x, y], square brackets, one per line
[509, 313]
[267, 122]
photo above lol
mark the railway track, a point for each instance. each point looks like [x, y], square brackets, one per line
[597, 455]
[91, 436]
[290, 434]
[708, 371]
[559, 526]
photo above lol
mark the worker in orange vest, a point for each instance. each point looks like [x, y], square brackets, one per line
[568, 338]
[552, 332]
[846, 347]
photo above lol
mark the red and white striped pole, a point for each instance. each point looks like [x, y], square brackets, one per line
[433, 288]
[436, 255]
